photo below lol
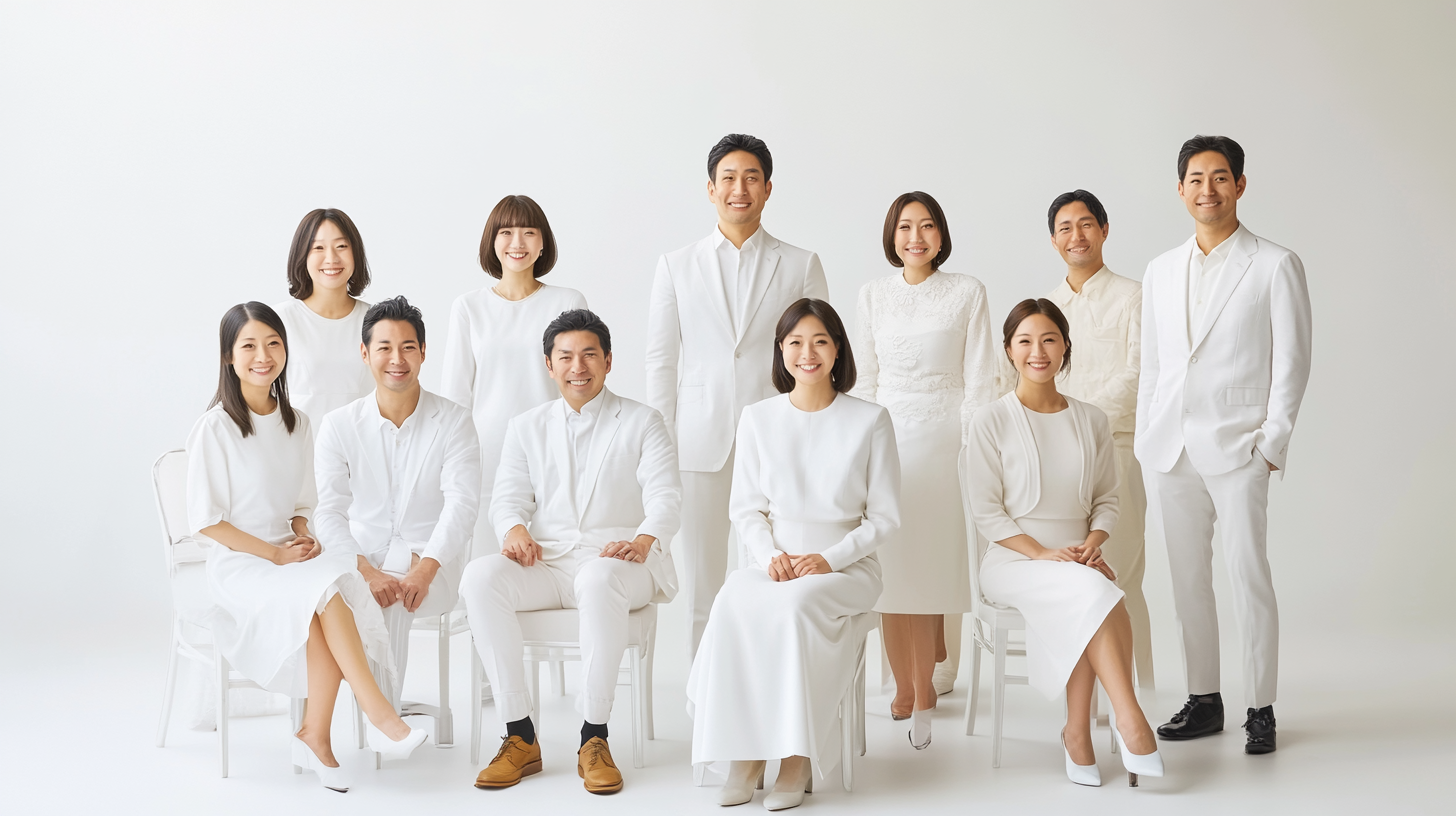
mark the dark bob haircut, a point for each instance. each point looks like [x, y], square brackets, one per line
[843, 374]
[1038, 306]
[1223, 145]
[300, 285]
[396, 308]
[740, 141]
[1093, 206]
[517, 211]
[229, 389]
[576, 320]
[892, 221]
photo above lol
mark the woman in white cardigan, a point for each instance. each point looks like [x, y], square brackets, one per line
[816, 490]
[1042, 487]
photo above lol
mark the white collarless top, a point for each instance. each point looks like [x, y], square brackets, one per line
[325, 369]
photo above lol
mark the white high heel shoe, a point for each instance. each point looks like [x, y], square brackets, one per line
[1088, 775]
[394, 749]
[789, 793]
[739, 788]
[1135, 764]
[335, 779]
[920, 728]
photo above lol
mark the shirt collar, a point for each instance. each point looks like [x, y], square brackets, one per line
[590, 411]
[409, 421]
[1221, 251]
[719, 239]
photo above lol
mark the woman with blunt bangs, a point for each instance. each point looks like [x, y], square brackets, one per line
[327, 271]
[493, 363]
[816, 490]
[289, 615]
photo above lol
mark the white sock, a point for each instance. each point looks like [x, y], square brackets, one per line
[920, 727]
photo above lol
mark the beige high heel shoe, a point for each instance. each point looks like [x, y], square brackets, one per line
[788, 791]
[739, 788]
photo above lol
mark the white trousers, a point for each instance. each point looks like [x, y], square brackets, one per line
[1125, 552]
[398, 621]
[605, 590]
[704, 537]
[1189, 504]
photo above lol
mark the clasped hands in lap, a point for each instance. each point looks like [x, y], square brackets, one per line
[410, 590]
[522, 549]
[785, 567]
[1088, 553]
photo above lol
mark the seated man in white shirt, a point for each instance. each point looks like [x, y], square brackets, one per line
[398, 475]
[587, 497]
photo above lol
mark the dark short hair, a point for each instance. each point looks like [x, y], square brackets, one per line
[1222, 145]
[229, 390]
[843, 373]
[892, 220]
[395, 308]
[517, 211]
[300, 285]
[1038, 306]
[740, 141]
[577, 320]
[1093, 206]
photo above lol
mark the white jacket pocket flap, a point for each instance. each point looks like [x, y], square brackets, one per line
[1246, 396]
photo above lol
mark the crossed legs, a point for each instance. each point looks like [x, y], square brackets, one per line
[1108, 657]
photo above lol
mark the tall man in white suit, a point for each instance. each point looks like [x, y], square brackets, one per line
[710, 329]
[398, 475]
[587, 499]
[1225, 361]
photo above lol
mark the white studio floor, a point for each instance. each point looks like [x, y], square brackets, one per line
[1343, 749]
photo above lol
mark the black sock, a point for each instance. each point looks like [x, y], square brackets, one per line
[1215, 697]
[523, 728]
[588, 731]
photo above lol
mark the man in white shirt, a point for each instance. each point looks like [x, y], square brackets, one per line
[710, 328]
[586, 498]
[398, 475]
[1225, 361]
[1105, 311]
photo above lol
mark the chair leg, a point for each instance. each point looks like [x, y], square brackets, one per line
[698, 772]
[974, 698]
[171, 686]
[535, 668]
[846, 742]
[221, 666]
[861, 744]
[998, 694]
[445, 723]
[558, 674]
[638, 730]
[476, 708]
[359, 734]
[650, 652]
[296, 709]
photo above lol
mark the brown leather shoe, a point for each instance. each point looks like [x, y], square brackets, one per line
[594, 765]
[515, 759]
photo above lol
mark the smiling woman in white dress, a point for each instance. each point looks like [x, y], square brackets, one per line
[926, 354]
[288, 614]
[327, 271]
[493, 364]
[1043, 490]
[816, 490]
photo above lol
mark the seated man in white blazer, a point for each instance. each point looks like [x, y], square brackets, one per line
[398, 475]
[587, 497]
[1225, 360]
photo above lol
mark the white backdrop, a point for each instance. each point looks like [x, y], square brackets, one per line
[156, 158]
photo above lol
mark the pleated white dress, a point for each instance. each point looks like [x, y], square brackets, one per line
[925, 353]
[262, 610]
[1052, 477]
[495, 367]
[777, 657]
[325, 370]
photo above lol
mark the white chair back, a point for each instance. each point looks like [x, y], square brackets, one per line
[169, 483]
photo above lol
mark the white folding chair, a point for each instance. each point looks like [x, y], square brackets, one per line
[551, 636]
[186, 561]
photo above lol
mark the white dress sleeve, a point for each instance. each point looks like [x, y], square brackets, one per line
[986, 481]
[457, 381]
[748, 505]
[308, 489]
[980, 365]
[865, 359]
[209, 499]
[882, 499]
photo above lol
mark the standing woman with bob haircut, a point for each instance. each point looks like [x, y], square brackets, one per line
[1043, 489]
[290, 616]
[493, 364]
[816, 490]
[926, 354]
[327, 271]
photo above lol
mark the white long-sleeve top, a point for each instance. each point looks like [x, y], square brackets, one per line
[325, 369]
[1106, 326]
[257, 483]
[386, 493]
[926, 351]
[837, 466]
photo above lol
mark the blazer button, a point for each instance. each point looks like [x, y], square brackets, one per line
[737, 355]
[1193, 359]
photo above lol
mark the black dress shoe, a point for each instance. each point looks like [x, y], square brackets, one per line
[1259, 728]
[1201, 715]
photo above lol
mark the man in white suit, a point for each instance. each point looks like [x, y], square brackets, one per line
[587, 498]
[1225, 360]
[398, 475]
[710, 329]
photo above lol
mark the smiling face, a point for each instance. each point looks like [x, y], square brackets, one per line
[809, 352]
[330, 258]
[1037, 348]
[1077, 236]
[738, 188]
[394, 356]
[579, 366]
[258, 356]
[1209, 189]
[517, 248]
[917, 239]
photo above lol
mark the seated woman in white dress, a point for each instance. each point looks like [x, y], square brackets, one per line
[288, 614]
[1042, 487]
[816, 490]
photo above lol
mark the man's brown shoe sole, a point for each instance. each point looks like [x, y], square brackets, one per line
[526, 770]
[601, 790]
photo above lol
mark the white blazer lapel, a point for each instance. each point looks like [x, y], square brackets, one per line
[1240, 256]
[763, 273]
[425, 433]
[366, 437]
[1032, 485]
[1179, 293]
[607, 424]
[711, 276]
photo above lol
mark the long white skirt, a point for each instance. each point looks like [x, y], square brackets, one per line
[775, 660]
[1064, 603]
[263, 612]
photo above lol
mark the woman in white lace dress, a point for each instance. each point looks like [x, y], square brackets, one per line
[929, 358]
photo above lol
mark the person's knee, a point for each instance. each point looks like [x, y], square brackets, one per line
[489, 575]
[599, 585]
